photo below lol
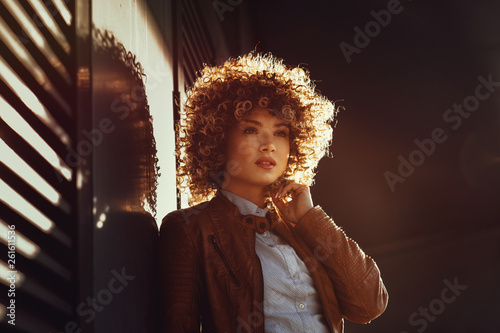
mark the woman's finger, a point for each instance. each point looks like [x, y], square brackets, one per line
[286, 188]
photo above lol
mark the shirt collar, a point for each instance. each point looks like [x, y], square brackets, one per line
[225, 209]
[245, 206]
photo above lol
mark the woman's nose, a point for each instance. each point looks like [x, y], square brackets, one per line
[267, 144]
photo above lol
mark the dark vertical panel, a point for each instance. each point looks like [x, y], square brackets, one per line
[82, 70]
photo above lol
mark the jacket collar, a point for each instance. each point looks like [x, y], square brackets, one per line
[222, 207]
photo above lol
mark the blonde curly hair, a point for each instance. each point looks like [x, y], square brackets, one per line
[223, 95]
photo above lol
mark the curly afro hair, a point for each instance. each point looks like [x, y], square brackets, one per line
[224, 95]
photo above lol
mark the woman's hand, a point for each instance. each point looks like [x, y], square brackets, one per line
[300, 204]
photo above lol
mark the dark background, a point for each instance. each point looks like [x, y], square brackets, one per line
[441, 223]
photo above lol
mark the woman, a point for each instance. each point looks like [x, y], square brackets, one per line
[253, 254]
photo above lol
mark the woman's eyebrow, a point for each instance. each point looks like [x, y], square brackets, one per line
[282, 125]
[258, 123]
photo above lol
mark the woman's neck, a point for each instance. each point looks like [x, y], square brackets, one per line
[256, 196]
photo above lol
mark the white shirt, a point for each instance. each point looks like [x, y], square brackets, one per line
[291, 302]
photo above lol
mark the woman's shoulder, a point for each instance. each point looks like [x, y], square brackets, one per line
[186, 226]
[187, 216]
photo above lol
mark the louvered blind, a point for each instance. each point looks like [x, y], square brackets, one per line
[193, 48]
[37, 183]
[196, 45]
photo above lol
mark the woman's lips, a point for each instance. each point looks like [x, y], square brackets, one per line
[266, 163]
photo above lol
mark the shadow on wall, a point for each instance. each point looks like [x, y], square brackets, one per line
[125, 173]
[125, 162]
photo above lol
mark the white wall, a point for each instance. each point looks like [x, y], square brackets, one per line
[131, 21]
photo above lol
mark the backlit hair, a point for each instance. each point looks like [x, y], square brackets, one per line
[223, 95]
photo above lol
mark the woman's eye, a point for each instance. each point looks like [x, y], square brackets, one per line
[250, 130]
[282, 133]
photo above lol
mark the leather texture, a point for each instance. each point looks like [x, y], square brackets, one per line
[211, 277]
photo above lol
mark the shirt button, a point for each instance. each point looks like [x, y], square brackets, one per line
[295, 276]
[281, 247]
[301, 305]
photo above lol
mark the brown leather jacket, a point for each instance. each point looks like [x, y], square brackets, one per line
[211, 275]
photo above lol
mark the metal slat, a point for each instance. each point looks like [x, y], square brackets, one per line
[34, 315]
[45, 97]
[190, 56]
[200, 30]
[189, 69]
[33, 158]
[44, 240]
[188, 77]
[192, 40]
[22, 20]
[68, 30]
[23, 63]
[37, 218]
[40, 275]
[29, 250]
[53, 212]
[38, 126]
[196, 46]
[45, 20]
[63, 88]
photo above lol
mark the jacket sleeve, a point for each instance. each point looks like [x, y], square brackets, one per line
[356, 278]
[179, 277]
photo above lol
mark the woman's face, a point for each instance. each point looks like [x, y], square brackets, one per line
[257, 151]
